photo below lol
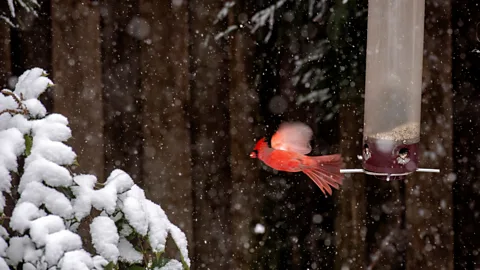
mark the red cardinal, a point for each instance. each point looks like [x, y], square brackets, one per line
[290, 144]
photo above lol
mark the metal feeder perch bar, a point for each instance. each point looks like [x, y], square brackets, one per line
[393, 89]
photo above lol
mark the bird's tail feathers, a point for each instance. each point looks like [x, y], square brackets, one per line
[326, 172]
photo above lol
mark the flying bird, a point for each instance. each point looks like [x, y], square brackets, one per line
[289, 146]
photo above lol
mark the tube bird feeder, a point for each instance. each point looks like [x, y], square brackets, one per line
[393, 89]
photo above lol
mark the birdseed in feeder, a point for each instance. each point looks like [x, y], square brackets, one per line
[407, 132]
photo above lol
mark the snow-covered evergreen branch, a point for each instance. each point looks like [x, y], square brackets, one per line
[10, 16]
[52, 202]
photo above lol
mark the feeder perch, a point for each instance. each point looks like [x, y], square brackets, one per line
[393, 89]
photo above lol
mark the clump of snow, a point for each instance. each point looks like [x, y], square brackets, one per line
[102, 199]
[42, 170]
[21, 249]
[259, 229]
[157, 226]
[11, 145]
[76, 260]
[172, 265]
[42, 227]
[99, 262]
[32, 83]
[57, 244]
[35, 107]
[134, 211]
[23, 214]
[127, 252]
[181, 241]
[55, 202]
[105, 238]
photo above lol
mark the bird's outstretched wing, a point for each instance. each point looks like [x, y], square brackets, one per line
[293, 136]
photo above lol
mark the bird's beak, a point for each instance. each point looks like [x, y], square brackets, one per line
[253, 155]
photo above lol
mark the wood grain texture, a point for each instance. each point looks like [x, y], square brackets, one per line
[466, 127]
[429, 210]
[5, 59]
[165, 94]
[77, 75]
[350, 229]
[243, 105]
[121, 86]
[210, 125]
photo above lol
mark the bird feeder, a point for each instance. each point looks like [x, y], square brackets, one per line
[393, 89]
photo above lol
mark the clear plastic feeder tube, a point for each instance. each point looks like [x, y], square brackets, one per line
[393, 83]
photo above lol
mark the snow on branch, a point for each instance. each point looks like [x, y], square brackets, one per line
[52, 202]
[223, 13]
[266, 17]
[30, 6]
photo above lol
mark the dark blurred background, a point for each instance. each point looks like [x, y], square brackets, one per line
[176, 93]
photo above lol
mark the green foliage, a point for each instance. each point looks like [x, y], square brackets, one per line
[110, 266]
[28, 144]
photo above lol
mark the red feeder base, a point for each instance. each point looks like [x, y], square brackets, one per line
[388, 159]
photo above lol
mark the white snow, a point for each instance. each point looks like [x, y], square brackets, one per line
[172, 265]
[3, 247]
[158, 224]
[53, 127]
[138, 28]
[223, 13]
[259, 229]
[35, 107]
[266, 17]
[181, 241]
[55, 202]
[133, 210]
[3, 264]
[56, 152]
[105, 238]
[42, 227]
[32, 83]
[45, 216]
[102, 199]
[120, 180]
[60, 242]
[22, 215]
[128, 252]
[76, 260]
[11, 7]
[99, 262]
[11, 145]
[21, 248]
[126, 230]
[19, 122]
[38, 169]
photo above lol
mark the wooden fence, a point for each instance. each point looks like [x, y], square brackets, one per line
[146, 91]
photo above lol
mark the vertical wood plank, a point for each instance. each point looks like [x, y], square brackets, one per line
[243, 104]
[350, 223]
[210, 137]
[5, 60]
[429, 196]
[350, 19]
[386, 235]
[121, 33]
[77, 76]
[466, 126]
[165, 71]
